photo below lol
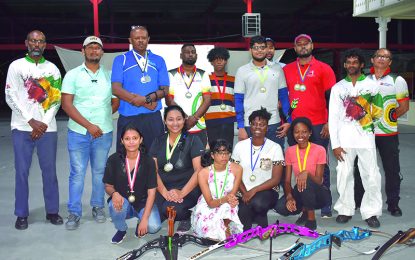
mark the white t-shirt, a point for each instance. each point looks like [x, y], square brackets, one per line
[270, 155]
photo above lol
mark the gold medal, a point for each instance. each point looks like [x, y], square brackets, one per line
[168, 167]
[252, 178]
[222, 106]
[263, 89]
[297, 87]
[131, 198]
[188, 95]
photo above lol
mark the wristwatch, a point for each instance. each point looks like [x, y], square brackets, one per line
[148, 99]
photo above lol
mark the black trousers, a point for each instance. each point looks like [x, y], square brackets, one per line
[388, 147]
[150, 125]
[257, 208]
[315, 196]
[221, 131]
[182, 209]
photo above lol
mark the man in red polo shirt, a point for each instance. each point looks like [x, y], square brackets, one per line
[309, 82]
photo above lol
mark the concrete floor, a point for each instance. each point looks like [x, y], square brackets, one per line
[91, 241]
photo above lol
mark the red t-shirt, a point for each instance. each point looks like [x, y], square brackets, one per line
[311, 101]
[316, 155]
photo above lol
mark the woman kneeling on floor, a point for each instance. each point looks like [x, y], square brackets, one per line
[131, 181]
[307, 161]
[215, 215]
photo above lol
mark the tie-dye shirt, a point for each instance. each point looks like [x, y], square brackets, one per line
[353, 113]
[33, 91]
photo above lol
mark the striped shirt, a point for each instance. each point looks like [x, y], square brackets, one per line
[215, 115]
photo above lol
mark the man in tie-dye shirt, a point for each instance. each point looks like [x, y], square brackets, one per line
[33, 92]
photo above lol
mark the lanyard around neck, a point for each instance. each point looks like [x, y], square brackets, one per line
[221, 93]
[302, 167]
[262, 75]
[143, 67]
[131, 180]
[169, 152]
[254, 164]
[182, 72]
[224, 183]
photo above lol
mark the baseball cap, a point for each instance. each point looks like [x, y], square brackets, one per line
[267, 39]
[305, 36]
[92, 39]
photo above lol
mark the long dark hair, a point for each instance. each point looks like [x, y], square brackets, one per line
[132, 127]
[215, 145]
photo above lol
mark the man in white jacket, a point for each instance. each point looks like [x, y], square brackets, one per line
[355, 105]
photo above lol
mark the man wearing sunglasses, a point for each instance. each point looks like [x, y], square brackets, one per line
[140, 80]
[33, 92]
[261, 84]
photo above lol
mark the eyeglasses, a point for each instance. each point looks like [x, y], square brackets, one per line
[380, 57]
[259, 47]
[136, 27]
[34, 41]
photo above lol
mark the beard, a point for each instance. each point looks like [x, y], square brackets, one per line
[92, 60]
[304, 55]
[259, 59]
[189, 62]
[38, 52]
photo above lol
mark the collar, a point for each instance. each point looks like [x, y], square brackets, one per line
[139, 55]
[387, 71]
[29, 59]
[268, 63]
[312, 61]
[85, 67]
[360, 78]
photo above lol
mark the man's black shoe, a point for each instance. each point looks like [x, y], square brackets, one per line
[21, 223]
[343, 219]
[395, 211]
[373, 222]
[55, 219]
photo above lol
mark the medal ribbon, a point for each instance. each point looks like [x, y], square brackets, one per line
[143, 69]
[221, 93]
[169, 152]
[262, 76]
[302, 75]
[224, 184]
[182, 72]
[305, 157]
[131, 181]
[253, 166]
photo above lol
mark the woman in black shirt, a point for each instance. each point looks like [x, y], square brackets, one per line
[178, 160]
[130, 181]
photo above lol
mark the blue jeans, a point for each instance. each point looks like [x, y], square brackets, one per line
[83, 148]
[23, 147]
[271, 134]
[128, 211]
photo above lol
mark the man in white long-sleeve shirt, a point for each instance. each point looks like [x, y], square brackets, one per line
[355, 105]
[33, 92]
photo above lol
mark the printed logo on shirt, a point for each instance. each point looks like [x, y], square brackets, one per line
[266, 164]
[310, 74]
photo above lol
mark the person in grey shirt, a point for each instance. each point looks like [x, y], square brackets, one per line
[261, 84]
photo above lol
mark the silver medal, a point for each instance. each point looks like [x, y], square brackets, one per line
[188, 95]
[263, 89]
[252, 178]
[131, 198]
[147, 78]
[222, 106]
[143, 79]
[168, 167]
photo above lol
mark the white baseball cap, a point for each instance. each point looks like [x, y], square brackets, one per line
[92, 39]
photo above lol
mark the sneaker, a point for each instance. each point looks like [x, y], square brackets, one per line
[73, 222]
[184, 226]
[373, 222]
[311, 224]
[118, 237]
[326, 214]
[302, 219]
[99, 214]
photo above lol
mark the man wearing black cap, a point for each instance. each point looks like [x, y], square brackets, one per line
[309, 82]
[271, 52]
[87, 99]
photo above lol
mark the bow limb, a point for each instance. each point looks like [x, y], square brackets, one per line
[136, 253]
